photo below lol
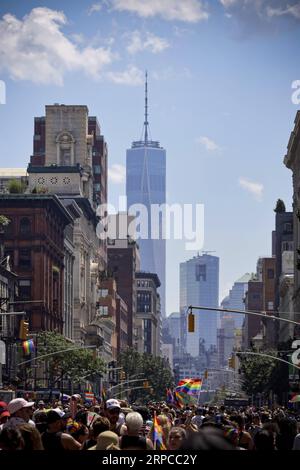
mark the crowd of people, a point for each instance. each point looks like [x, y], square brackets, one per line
[116, 425]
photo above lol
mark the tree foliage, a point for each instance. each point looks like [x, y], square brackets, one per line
[261, 374]
[155, 370]
[4, 221]
[16, 187]
[74, 364]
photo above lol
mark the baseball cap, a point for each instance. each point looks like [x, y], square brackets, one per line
[112, 403]
[17, 404]
[4, 413]
[3, 405]
[41, 402]
[53, 416]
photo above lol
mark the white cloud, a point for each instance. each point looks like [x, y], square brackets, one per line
[131, 76]
[293, 10]
[265, 8]
[209, 144]
[190, 11]
[117, 173]
[150, 43]
[36, 49]
[94, 8]
[256, 189]
[228, 3]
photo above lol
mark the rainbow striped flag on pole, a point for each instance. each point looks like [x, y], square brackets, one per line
[28, 347]
[158, 443]
[189, 386]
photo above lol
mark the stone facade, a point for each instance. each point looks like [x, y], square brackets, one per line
[148, 317]
[66, 152]
[292, 161]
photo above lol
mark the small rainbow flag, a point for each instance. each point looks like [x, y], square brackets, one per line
[178, 400]
[28, 347]
[158, 443]
[189, 386]
[170, 396]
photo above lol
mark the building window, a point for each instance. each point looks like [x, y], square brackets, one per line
[102, 310]
[103, 292]
[270, 306]
[201, 272]
[24, 259]
[97, 169]
[24, 289]
[25, 226]
[288, 227]
[287, 246]
[270, 274]
[97, 187]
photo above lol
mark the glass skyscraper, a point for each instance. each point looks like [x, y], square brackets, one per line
[199, 286]
[146, 185]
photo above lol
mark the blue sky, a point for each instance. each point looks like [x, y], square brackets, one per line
[220, 77]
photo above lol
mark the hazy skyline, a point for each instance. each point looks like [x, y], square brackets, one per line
[220, 85]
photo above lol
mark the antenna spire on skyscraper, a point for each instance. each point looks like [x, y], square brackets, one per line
[146, 123]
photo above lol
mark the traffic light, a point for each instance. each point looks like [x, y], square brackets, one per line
[191, 323]
[231, 362]
[146, 384]
[206, 374]
[24, 330]
[122, 375]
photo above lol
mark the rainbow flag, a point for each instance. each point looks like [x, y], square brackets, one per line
[89, 396]
[170, 396]
[28, 347]
[178, 400]
[189, 386]
[158, 443]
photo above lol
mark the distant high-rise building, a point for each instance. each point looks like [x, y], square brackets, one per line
[199, 285]
[236, 298]
[146, 185]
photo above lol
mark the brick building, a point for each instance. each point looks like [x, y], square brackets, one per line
[34, 241]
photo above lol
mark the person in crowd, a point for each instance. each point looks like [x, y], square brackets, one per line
[107, 440]
[54, 438]
[176, 437]
[112, 413]
[20, 412]
[287, 433]
[100, 425]
[132, 439]
[4, 414]
[11, 439]
[264, 440]
[79, 432]
[31, 437]
[245, 440]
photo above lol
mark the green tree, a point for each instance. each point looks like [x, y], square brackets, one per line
[258, 373]
[4, 221]
[70, 364]
[16, 187]
[155, 370]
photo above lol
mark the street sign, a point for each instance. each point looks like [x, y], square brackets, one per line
[2, 352]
